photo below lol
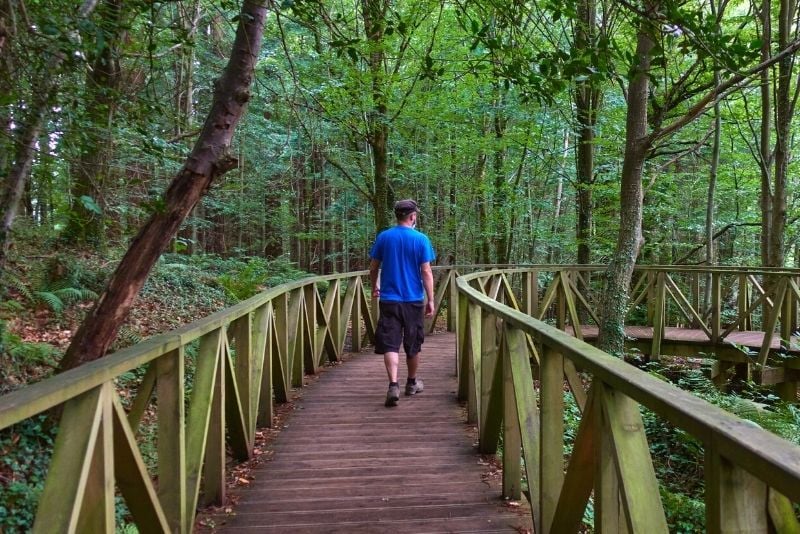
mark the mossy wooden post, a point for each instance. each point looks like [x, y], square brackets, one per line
[462, 349]
[530, 293]
[527, 414]
[261, 404]
[659, 314]
[651, 296]
[512, 443]
[215, 457]
[242, 336]
[551, 402]
[787, 321]
[310, 336]
[491, 378]
[171, 438]
[73, 452]
[296, 336]
[694, 286]
[608, 513]
[355, 317]
[736, 501]
[199, 422]
[97, 508]
[743, 303]
[716, 306]
[474, 392]
[281, 309]
[453, 303]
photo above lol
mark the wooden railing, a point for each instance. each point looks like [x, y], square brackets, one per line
[745, 318]
[204, 387]
[751, 476]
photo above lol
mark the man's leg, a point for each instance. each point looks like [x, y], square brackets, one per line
[391, 360]
[413, 363]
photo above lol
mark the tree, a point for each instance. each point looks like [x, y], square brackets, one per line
[208, 161]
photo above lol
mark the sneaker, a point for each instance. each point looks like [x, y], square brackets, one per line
[413, 389]
[392, 396]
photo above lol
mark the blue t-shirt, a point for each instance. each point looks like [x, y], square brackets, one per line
[401, 251]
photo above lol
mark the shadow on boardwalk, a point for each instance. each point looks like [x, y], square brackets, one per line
[345, 463]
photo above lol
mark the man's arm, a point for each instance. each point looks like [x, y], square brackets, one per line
[427, 282]
[374, 266]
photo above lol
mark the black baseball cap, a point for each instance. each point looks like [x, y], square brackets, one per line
[402, 208]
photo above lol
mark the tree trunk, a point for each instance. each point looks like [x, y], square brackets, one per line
[614, 300]
[587, 102]
[208, 160]
[374, 14]
[86, 224]
[765, 150]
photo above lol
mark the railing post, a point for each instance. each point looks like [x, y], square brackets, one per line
[453, 302]
[491, 380]
[171, 439]
[512, 444]
[608, 513]
[736, 501]
[474, 361]
[659, 312]
[716, 306]
[530, 293]
[355, 320]
[241, 332]
[743, 301]
[551, 402]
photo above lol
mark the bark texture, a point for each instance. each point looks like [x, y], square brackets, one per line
[629, 241]
[208, 160]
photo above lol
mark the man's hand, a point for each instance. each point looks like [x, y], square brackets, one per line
[429, 309]
[376, 292]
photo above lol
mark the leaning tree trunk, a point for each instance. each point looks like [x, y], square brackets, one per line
[614, 301]
[208, 160]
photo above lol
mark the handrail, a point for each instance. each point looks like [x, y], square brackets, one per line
[743, 461]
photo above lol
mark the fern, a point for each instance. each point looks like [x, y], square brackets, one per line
[51, 300]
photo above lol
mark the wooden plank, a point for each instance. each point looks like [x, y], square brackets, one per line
[781, 514]
[132, 477]
[658, 306]
[281, 338]
[530, 293]
[609, 515]
[637, 477]
[171, 438]
[280, 376]
[438, 298]
[551, 402]
[143, 396]
[512, 442]
[475, 391]
[769, 329]
[241, 336]
[491, 386]
[238, 440]
[579, 295]
[452, 301]
[579, 478]
[214, 488]
[570, 305]
[261, 397]
[549, 296]
[61, 499]
[198, 420]
[97, 508]
[735, 500]
[527, 413]
[462, 352]
[265, 409]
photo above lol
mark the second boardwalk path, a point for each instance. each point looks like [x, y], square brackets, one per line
[346, 464]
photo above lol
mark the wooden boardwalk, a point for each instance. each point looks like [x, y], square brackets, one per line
[346, 464]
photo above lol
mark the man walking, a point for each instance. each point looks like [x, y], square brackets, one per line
[404, 258]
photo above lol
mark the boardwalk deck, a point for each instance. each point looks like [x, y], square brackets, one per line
[345, 463]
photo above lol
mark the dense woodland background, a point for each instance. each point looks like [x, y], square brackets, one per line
[544, 131]
[478, 109]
